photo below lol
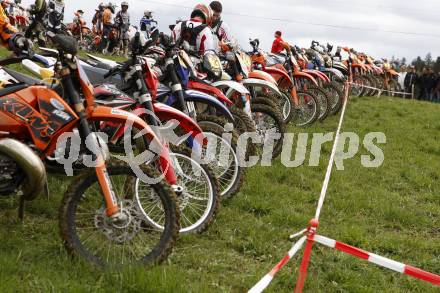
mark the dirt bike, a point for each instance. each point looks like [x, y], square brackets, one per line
[100, 218]
[199, 178]
[230, 177]
[390, 77]
[263, 112]
[78, 29]
[327, 101]
[297, 105]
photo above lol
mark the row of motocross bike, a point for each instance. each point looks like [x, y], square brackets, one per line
[49, 16]
[157, 142]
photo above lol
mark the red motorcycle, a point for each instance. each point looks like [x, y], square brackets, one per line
[298, 105]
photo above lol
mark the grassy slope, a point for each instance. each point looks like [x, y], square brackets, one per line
[392, 211]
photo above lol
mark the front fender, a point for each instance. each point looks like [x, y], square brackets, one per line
[306, 76]
[278, 72]
[258, 74]
[110, 63]
[209, 88]
[335, 72]
[166, 113]
[102, 113]
[341, 67]
[231, 86]
[196, 96]
[252, 82]
[318, 74]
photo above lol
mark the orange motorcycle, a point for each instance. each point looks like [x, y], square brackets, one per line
[297, 105]
[101, 216]
[390, 77]
[78, 28]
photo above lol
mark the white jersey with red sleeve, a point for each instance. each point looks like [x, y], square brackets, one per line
[203, 41]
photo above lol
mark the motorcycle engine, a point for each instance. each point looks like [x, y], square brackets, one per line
[11, 176]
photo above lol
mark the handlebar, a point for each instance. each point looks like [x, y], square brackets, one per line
[19, 59]
[113, 71]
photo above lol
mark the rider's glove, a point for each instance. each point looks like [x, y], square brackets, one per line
[22, 45]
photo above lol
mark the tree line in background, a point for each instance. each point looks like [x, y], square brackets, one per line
[419, 63]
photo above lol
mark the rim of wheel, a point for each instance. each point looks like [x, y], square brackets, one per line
[264, 123]
[286, 106]
[194, 206]
[309, 107]
[115, 242]
[225, 170]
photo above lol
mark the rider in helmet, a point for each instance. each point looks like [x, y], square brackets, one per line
[97, 19]
[122, 22]
[35, 29]
[147, 22]
[196, 31]
[55, 15]
[107, 26]
[219, 28]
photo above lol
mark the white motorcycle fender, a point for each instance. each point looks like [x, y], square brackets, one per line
[110, 63]
[231, 86]
[253, 82]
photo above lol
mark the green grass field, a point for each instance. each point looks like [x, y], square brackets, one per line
[392, 211]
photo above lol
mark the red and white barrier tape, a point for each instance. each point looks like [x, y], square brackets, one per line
[265, 281]
[379, 260]
[312, 237]
[332, 155]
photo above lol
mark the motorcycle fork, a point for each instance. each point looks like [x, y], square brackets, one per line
[294, 95]
[146, 101]
[176, 87]
[293, 88]
[112, 208]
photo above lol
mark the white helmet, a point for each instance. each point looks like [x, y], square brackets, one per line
[125, 3]
[148, 13]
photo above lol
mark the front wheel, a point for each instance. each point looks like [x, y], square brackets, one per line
[324, 102]
[269, 121]
[225, 164]
[284, 103]
[198, 199]
[357, 86]
[308, 109]
[88, 232]
[337, 96]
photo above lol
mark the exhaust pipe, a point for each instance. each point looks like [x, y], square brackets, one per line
[30, 163]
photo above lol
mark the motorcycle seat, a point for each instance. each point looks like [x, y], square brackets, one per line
[12, 88]
[272, 59]
[22, 78]
[97, 64]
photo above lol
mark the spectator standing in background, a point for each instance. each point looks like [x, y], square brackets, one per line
[410, 79]
[431, 84]
[422, 83]
[97, 19]
[437, 89]
[122, 22]
[107, 25]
